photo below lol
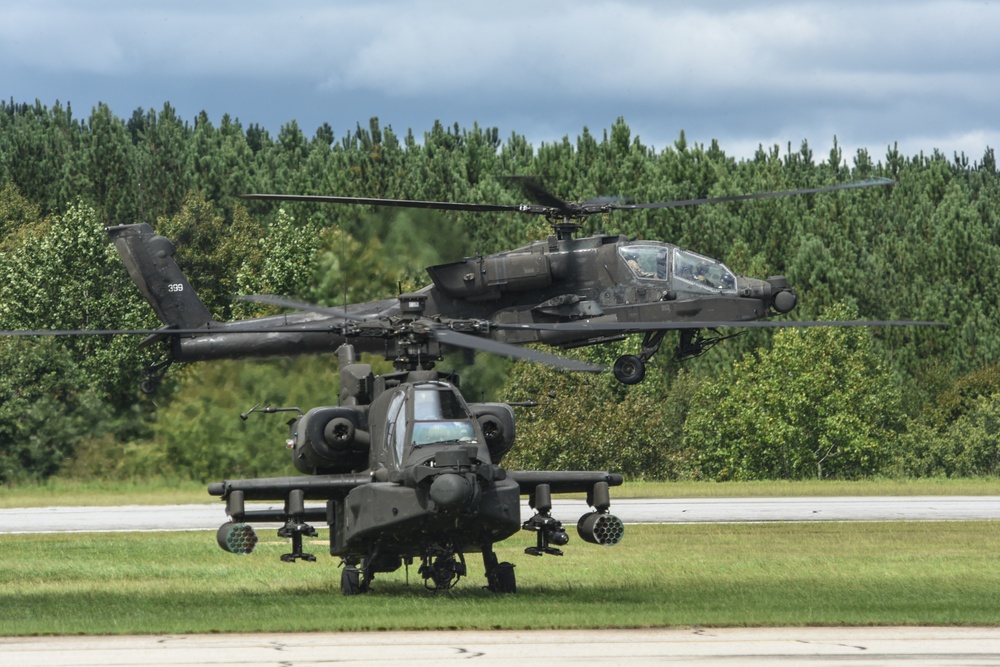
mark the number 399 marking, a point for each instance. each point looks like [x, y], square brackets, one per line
[175, 287]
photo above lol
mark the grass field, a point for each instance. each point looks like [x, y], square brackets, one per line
[162, 492]
[671, 575]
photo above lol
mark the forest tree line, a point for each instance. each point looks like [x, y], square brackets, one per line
[842, 403]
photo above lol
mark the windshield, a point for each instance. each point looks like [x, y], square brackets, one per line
[697, 270]
[645, 261]
[439, 416]
[426, 433]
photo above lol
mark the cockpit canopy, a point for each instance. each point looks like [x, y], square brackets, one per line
[686, 270]
[439, 416]
[434, 414]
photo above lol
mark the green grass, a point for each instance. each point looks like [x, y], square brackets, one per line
[56, 492]
[676, 575]
[980, 486]
[164, 492]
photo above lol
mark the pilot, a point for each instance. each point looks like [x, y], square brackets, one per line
[632, 259]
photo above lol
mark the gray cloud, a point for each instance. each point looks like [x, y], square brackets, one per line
[921, 73]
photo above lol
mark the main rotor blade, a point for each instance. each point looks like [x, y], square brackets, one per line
[284, 302]
[760, 195]
[93, 332]
[540, 195]
[456, 339]
[485, 344]
[449, 337]
[626, 327]
[171, 332]
[548, 204]
[399, 203]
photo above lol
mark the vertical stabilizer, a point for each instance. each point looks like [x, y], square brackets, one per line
[149, 259]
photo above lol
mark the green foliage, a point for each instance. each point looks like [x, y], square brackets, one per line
[819, 403]
[68, 277]
[926, 248]
[163, 161]
[968, 447]
[110, 167]
[588, 422]
[198, 432]
[56, 392]
[45, 408]
[956, 401]
[956, 435]
[17, 217]
[278, 259]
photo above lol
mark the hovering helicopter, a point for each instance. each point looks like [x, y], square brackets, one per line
[563, 291]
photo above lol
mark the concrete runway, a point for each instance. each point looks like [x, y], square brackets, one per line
[813, 647]
[209, 516]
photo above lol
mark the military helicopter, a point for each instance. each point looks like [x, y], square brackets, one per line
[563, 291]
[409, 470]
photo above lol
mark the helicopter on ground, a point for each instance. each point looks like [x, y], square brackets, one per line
[409, 470]
[563, 291]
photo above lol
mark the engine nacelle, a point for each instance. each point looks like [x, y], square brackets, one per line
[331, 440]
[497, 423]
[486, 278]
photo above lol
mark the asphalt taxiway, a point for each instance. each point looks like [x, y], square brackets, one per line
[726, 647]
[209, 516]
[811, 647]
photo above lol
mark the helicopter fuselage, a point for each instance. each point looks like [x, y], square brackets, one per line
[594, 280]
[428, 486]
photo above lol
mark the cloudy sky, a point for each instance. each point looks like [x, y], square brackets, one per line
[923, 74]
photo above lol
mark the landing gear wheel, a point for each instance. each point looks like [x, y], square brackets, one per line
[350, 581]
[503, 580]
[499, 576]
[629, 369]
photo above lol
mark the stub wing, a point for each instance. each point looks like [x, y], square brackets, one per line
[314, 487]
[562, 481]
